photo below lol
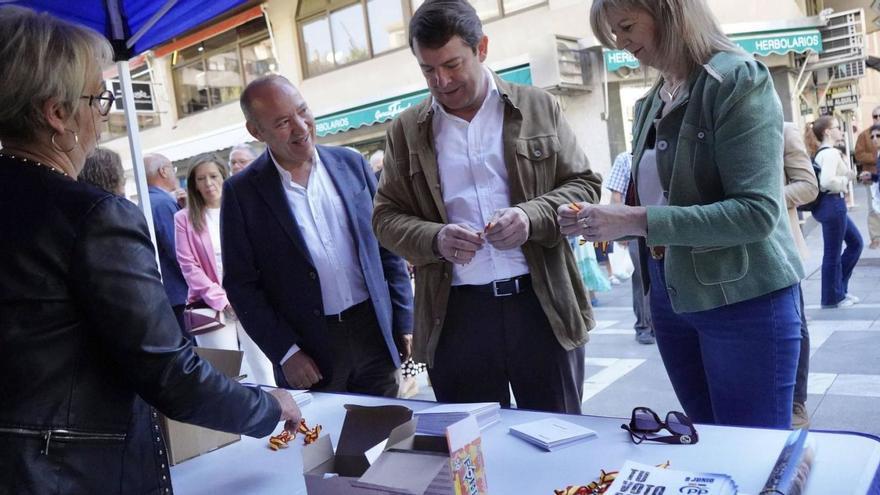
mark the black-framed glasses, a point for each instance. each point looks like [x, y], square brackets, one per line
[645, 423]
[876, 116]
[875, 136]
[104, 100]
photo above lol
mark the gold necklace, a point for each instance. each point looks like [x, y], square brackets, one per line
[671, 93]
[34, 163]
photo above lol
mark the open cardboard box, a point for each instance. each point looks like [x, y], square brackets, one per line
[365, 463]
[185, 441]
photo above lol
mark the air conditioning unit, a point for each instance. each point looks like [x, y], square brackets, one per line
[843, 48]
[560, 65]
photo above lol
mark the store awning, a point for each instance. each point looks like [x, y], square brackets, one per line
[222, 138]
[385, 110]
[761, 44]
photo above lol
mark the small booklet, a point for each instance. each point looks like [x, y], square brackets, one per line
[434, 420]
[642, 478]
[551, 433]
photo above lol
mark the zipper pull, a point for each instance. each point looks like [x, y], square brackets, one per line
[48, 436]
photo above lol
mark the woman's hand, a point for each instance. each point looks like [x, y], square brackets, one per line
[602, 222]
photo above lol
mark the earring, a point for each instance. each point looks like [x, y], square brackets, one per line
[75, 141]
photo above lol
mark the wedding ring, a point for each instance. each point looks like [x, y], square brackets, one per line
[584, 223]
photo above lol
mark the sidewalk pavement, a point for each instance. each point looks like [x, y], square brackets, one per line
[844, 380]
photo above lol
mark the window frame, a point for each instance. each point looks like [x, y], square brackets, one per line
[203, 58]
[334, 6]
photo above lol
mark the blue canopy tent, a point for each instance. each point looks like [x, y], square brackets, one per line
[133, 27]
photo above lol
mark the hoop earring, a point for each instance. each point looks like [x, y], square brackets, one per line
[75, 141]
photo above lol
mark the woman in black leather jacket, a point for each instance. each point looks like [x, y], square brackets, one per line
[86, 330]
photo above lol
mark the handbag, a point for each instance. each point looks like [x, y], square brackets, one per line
[200, 318]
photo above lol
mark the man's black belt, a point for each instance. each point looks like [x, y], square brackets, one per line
[348, 313]
[501, 288]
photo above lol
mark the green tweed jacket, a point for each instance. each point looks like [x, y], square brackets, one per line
[719, 158]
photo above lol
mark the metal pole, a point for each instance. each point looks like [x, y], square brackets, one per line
[134, 142]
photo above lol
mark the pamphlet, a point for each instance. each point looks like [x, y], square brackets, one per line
[551, 433]
[434, 420]
[641, 479]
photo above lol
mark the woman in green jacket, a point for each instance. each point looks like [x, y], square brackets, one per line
[707, 202]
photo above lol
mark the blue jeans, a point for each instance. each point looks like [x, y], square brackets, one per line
[837, 229]
[733, 365]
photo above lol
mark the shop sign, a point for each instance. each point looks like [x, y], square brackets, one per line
[377, 113]
[844, 103]
[143, 96]
[762, 44]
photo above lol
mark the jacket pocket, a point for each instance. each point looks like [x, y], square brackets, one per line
[720, 265]
[537, 160]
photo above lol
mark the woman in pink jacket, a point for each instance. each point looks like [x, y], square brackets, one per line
[197, 239]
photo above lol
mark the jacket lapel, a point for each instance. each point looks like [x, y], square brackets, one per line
[207, 256]
[427, 161]
[268, 183]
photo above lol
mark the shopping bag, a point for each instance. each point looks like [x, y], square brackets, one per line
[200, 318]
[592, 275]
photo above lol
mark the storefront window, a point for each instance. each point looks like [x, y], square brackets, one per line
[216, 70]
[147, 113]
[358, 31]
[386, 25]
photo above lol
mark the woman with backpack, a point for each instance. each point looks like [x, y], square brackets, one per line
[837, 228]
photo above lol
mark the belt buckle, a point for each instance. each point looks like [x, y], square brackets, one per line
[505, 294]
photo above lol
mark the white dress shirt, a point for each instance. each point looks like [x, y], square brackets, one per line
[326, 230]
[212, 217]
[473, 178]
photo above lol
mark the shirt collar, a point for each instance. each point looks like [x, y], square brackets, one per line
[286, 177]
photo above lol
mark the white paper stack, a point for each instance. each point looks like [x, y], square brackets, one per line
[551, 433]
[634, 476]
[302, 397]
[434, 420]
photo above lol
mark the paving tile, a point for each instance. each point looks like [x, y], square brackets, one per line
[847, 413]
[848, 352]
[856, 385]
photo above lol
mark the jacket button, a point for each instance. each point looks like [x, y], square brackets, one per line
[662, 145]
[313, 275]
[538, 153]
[317, 312]
[436, 322]
[701, 135]
[672, 291]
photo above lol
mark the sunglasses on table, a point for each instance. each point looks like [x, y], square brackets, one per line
[645, 424]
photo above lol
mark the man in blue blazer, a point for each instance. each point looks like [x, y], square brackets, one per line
[330, 308]
[162, 182]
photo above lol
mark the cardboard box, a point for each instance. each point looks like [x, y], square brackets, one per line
[367, 464]
[185, 441]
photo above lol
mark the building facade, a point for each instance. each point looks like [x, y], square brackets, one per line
[351, 61]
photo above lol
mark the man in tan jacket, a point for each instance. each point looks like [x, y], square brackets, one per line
[801, 187]
[468, 195]
[866, 157]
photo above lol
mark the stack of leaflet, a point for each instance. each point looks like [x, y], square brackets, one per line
[551, 433]
[634, 477]
[434, 420]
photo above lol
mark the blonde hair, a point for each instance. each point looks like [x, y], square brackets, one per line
[43, 57]
[687, 29]
[195, 203]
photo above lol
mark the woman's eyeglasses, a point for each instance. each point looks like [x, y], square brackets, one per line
[645, 422]
[876, 115]
[104, 100]
[875, 136]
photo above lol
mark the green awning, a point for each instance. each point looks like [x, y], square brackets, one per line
[762, 44]
[385, 110]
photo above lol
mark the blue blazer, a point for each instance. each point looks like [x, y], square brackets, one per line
[269, 276]
[164, 207]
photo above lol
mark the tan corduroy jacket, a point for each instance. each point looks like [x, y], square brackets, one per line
[546, 169]
[801, 184]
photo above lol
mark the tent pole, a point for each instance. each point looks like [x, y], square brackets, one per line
[134, 142]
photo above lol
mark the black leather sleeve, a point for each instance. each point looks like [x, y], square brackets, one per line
[117, 284]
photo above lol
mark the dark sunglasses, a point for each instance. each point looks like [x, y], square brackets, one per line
[876, 116]
[875, 136]
[645, 422]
